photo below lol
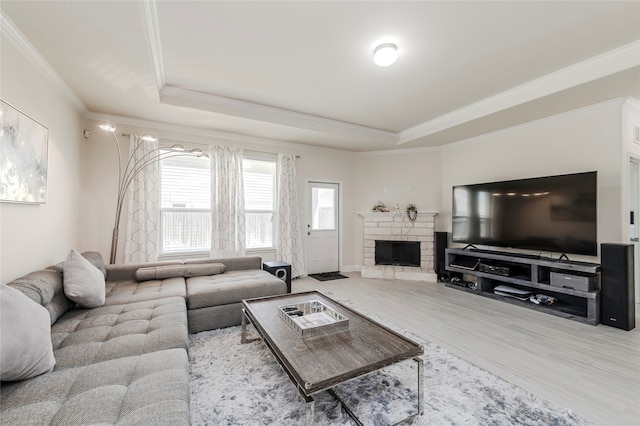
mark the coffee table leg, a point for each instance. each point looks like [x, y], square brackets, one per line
[420, 396]
[243, 335]
[407, 420]
[310, 412]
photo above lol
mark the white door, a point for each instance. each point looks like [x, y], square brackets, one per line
[634, 219]
[322, 227]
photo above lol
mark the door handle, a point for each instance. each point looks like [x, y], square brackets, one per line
[308, 232]
[635, 239]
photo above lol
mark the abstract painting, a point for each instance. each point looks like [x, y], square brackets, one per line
[23, 157]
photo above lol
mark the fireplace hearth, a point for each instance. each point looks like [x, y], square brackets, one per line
[398, 253]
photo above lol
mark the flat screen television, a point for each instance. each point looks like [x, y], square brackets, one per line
[552, 213]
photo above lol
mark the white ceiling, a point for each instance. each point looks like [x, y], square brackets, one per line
[303, 71]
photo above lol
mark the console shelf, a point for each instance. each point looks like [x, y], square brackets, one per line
[530, 273]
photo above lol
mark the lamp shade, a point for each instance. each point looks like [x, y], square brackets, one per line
[385, 54]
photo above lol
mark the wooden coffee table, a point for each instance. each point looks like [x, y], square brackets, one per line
[318, 363]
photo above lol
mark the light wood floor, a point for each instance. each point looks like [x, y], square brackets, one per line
[594, 371]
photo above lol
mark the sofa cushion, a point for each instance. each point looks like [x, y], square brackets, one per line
[231, 263]
[96, 260]
[46, 289]
[92, 256]
[172, 271]
[232, 287]
[25, 336]
[86, 336]
[150, 389]
[130, 291]
[83, 282]
[127, 271]
[214, 317]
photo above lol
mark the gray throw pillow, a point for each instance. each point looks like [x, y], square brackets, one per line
[172, 271]
[25, 336]
[83, 283]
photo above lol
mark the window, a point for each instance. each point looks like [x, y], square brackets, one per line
[323, 209]
[185, 205]
[259, 180]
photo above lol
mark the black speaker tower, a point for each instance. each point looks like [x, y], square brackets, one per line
[617, 279]
[441, 243]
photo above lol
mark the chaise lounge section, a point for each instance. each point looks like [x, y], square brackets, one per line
[126, 362]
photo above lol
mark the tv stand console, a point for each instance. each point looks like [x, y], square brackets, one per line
[532, 274]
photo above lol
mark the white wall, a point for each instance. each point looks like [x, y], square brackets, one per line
[83, 174]
[100, 179]
[581, 140]
[631, 151]
[411, 177]
[36, 236]
[334, 167]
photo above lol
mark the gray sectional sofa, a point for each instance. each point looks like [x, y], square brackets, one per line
[126, 362]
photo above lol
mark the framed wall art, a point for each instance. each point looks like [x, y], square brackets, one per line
[23, 157]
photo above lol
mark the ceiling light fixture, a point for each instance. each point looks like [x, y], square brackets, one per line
[385, 54]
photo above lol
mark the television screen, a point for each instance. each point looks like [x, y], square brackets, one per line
[553, 213]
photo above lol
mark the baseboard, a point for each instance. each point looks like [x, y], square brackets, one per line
[351, 268]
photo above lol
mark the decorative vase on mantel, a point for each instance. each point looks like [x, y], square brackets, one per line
[412, 212]
[380, 207]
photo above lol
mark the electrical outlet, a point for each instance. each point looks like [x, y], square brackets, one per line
[386, 189]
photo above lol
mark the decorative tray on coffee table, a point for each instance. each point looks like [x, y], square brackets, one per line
[312, 318]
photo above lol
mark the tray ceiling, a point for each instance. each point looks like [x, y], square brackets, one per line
[303, 71]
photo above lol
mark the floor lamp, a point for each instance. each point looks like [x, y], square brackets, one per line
[133, 168]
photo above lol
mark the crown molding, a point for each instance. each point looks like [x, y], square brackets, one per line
[608, 63]
[632, 104]
[602, 106]
[15, 36]
[239, 108]
[212, 134]
[155, 43]
[398, 151]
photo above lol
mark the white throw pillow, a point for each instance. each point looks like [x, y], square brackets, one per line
[25, 336]
[83, 283]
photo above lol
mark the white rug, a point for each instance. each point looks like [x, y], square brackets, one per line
[242, 384]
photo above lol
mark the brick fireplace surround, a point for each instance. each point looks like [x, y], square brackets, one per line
[397, 227]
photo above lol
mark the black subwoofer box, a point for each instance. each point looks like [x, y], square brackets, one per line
[617, 281]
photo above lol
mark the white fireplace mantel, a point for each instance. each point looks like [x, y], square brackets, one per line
[370, 215]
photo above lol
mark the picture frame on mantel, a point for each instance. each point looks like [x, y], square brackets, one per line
[23, 157]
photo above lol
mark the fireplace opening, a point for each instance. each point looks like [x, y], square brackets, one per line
[398, 253]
